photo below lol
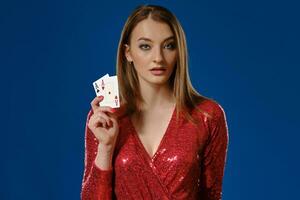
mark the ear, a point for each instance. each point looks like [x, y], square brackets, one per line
[127, 53]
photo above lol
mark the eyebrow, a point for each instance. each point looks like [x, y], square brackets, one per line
[147, 39]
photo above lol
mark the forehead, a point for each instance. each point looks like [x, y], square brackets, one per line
[154, 30]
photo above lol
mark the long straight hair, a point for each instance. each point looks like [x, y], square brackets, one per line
[187, 98]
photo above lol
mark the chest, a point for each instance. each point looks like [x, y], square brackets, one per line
[151, 130]
[179, 148]
[174, 168]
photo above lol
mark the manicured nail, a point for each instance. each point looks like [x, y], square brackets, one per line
[113, 110]
[101, 97]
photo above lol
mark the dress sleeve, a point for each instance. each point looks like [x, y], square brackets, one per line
[96, 183]
[214, 157]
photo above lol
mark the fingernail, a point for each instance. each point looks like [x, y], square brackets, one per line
[113, 110]
[100, 97]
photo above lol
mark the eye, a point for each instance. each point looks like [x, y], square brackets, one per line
[144, 46]
[170, 46]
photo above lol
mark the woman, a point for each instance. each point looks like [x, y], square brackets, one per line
[166, 141]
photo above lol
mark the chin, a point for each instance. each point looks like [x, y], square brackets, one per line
[158, 80]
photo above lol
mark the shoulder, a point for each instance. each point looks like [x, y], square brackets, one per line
[211, 109]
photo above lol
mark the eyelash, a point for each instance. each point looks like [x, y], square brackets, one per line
[143, 45]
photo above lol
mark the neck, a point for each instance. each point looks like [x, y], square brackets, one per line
[156, 97]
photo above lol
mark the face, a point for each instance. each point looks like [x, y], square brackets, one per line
[152, 45]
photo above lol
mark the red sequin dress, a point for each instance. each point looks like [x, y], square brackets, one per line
[188, 164]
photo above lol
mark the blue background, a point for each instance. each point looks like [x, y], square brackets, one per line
[243, 54]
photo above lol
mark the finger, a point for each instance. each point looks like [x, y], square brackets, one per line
[103, 115]
[95, 120]
[107, 120]
[99, 111]
[107, 109]
[95, 102]
[101, 120]
[113, 120]
[103, 123]
[113, 117]
[110, 123]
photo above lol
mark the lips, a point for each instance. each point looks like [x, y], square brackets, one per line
[158, 68]
[158, 71]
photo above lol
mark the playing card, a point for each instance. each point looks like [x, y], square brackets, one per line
[108, 87]
[111, 93]
[100, 85]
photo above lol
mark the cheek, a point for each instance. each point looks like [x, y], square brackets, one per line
[171, 58]
[141, 57]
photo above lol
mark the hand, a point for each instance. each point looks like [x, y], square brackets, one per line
[103, 123]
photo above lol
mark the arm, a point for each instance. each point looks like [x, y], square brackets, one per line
[214, 158]
[96, 183]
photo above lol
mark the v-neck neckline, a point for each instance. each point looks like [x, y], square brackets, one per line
[162, 141]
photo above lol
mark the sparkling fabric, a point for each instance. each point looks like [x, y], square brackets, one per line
[188, 164]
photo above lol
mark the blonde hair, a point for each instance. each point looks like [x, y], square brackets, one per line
[186, 96]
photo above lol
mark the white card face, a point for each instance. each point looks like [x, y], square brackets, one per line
[111, 93]
[115, 94]
[108, 87]
[100, 84]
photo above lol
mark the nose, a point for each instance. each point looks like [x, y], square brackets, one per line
[158, 55]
